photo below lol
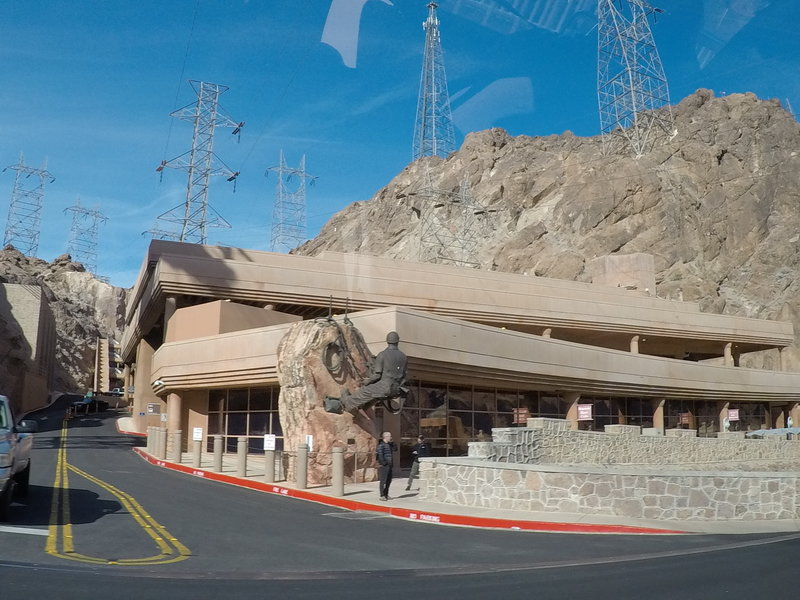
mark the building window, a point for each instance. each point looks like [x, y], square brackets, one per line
[248, 412]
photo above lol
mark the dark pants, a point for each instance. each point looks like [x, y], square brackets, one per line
[385, 475]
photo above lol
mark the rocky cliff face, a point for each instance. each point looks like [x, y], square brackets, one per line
[84, 307]
[717, 206]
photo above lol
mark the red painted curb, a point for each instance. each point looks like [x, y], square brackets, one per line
[116, 423]
[405, 513]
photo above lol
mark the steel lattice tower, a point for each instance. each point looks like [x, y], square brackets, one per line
[82, 245]
[289, 212]
[451, 225]
[195, 215]
[433, 131]
[25, 209]
[631, 84]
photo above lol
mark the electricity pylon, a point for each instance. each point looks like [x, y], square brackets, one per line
[25, 209]
[433, 131]
[451, 225]
[195, 215]
[289, 212]
[631, 84]
[82, 245]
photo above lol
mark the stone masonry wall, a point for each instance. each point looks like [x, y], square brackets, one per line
[632, 492]
[550, 441]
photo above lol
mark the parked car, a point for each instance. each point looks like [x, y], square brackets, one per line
[15, 455]
[118, 392]
[90, 404]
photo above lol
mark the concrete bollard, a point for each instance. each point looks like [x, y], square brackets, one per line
[162, 443]
[217, 454]
[149, 447]
[197, 453]
[337, 476]
[241, 457]
[269, 466]
[301, 467]
[177, 446]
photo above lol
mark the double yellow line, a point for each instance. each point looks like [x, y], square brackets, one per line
[60, 542]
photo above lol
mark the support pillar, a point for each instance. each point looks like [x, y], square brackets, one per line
[658, 413]
[635, 344]
[174, 420]
[170, 306]
[126, 382]
[728, 354]
[177, 446]
[572, 399]
[723, 416]
[794, 413]
[547, 332]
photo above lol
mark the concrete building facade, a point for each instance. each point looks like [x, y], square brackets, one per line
[486, 350]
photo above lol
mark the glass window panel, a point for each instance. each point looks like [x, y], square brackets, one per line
[259, 423]
[483, 424]
[459, 398]
[237, 400]
[216, 423]
[216, 400]
[484, 400]
[275, 423]
[412, 399]
[259, 399]
[504, 420]
[409, 423]
[431, 397]
[507, 401]
[459, 432]
[237, 424]
[550, 406]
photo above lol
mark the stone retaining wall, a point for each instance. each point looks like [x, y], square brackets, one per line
[632, 492]
[550, 441]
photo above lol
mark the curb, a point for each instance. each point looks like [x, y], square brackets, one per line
[405, 513]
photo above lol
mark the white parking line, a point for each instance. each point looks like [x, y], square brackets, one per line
[23, 530]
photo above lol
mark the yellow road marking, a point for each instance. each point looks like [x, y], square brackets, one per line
[60, 528]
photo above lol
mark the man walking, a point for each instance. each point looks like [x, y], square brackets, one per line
[420, 450]
[385, 462]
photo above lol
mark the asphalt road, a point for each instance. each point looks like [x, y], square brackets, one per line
[101, 521]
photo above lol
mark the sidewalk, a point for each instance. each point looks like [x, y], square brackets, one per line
[364, 498]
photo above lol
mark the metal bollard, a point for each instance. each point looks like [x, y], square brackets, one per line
[162, 443]
[269, 466]
[177, 446]
[197, 453]
[241, 457]
[217, 454]
[337, 476]
[301, 467]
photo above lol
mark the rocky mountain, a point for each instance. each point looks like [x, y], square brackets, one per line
[84, 307]
[716, 204]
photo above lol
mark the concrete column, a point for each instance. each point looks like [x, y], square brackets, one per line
[162, 443]
[170, 306]
[269, 466]
[177, 446]
[241, 457]
[572, 399]
[728, 353]
[782, 359]
[174, 408]
[126, 382]
[301, 467]
[197, 453]
[149, 446]
[217, 454]
[794, 412]
[723, 415]
[635, 344]
[337, 475]
[547, 332]
[658, 413]
[141, 381]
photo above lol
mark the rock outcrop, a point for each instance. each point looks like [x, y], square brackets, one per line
[716, 205]
[84, 307]
[317, 359]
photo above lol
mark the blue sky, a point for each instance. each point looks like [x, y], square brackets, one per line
[88, 85]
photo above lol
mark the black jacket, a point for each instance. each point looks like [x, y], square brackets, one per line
[384, 453]
[420, 450]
